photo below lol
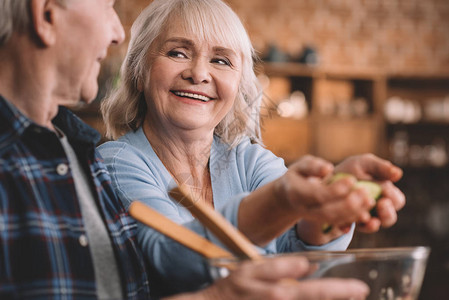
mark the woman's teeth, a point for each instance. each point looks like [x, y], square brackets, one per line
[193, 96]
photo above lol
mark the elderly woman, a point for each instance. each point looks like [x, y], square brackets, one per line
[187, 111]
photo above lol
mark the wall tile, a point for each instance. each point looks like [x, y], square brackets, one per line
[396, 34]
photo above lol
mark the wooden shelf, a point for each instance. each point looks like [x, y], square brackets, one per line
[334, 138]
[301, 70]
[425, 75]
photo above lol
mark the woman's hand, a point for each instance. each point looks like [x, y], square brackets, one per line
[371, 167]
[305, 188]
[264, 280]
[348, 202]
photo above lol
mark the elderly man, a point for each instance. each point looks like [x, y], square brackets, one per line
[63, 233]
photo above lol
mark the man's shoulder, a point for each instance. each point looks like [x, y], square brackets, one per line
[74, 127]
[12, 123]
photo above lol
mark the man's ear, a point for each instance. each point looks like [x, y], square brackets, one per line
[43, 20]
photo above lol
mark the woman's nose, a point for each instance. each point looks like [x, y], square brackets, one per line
[198, 71]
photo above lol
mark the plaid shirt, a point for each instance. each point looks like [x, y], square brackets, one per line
[44, 253]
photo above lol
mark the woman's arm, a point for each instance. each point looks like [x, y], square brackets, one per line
[303, 194]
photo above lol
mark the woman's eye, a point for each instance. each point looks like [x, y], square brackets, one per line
[222, 61]
[176, 54]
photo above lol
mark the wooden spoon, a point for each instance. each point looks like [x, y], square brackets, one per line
[224, 230]
[215, 222]
[179, 233]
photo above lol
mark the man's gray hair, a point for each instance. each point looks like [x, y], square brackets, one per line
[14, 17]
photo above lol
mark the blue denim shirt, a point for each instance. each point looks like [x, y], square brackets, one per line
[43, 250]
[137, 173]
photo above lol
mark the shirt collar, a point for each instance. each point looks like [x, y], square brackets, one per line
[74, 128]
[13, 124]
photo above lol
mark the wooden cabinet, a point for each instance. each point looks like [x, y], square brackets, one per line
[421, 138]
[406, 120]
[287, 138]
[346, 109]
[335, 139]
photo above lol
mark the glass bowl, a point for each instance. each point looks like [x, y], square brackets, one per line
[391, 273]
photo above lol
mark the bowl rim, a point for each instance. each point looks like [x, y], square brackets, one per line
[414, 252]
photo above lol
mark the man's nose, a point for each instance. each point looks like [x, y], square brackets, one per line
[118, 31]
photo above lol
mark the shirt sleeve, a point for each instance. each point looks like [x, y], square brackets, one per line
[262, 166]
[289, 242]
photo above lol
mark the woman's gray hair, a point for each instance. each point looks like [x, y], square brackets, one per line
[14, 17]
[212, 20]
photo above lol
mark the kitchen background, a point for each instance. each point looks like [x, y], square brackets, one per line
[343, 77]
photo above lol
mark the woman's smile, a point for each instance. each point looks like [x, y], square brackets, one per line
[193, 95]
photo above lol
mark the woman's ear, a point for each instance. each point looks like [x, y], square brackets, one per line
[42, 13]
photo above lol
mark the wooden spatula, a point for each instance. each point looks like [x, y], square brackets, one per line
[181, 234]
[216, 223]
[224, 230]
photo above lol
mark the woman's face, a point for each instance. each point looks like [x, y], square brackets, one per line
[191, 84]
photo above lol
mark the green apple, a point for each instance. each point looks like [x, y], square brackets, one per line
[374, 190]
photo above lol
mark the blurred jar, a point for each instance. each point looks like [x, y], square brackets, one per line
[399, 148]
[398, 110]
[436, 153]
[294, 107]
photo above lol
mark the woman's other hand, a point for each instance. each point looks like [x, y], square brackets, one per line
[371, 167]
[307, 192]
